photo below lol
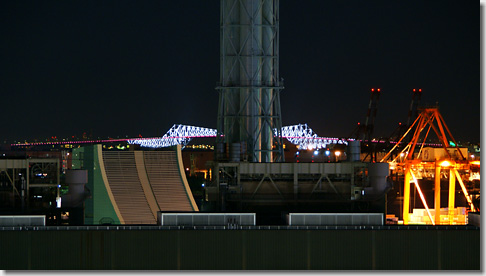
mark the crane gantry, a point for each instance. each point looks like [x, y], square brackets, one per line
[411, 161]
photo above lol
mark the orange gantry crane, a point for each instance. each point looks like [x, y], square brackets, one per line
[411, 162]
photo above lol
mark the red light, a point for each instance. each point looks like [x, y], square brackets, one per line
[372, 89]
[420, 90]
[378, 89]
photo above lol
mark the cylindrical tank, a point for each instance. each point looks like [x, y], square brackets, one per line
[354, 151]
[244, 153]
[220, 152]
[377, 173]
[235, 152]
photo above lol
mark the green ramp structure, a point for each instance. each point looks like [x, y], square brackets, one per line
[130, 187]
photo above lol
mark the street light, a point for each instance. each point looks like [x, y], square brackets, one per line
[337, 153]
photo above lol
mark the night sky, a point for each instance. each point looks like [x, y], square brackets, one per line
[123, 68]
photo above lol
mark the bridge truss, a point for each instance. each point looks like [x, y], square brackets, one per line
[300, 135]
[177, 135]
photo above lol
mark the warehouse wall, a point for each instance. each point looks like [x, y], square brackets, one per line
[241, 249]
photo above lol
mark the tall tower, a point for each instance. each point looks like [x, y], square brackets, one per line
[249, 87]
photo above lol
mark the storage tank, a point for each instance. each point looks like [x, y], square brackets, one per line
[220, 152]
[354, 151]
[378, 181]
[235, 152]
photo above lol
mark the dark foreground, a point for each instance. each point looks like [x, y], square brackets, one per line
[250, 248]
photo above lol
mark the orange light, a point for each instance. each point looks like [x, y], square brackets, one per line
[420, 90]
[378, 89]
[475, 163]
[445, 163]
[414, 90]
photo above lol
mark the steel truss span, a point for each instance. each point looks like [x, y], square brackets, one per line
[305, 138]
[300, 135]
[177, 135]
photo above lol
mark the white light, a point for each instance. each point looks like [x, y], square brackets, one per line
[328, 153]
[177, 135]
[304, 137]
[202, 185]
[316, 152]
[300, 135]
[58, 202]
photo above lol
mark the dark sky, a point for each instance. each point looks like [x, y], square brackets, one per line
[121, 68]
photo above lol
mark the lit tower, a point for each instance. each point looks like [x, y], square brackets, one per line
[249, 87]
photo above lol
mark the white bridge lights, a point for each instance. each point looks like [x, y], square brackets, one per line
[177, 135]
[305, 138]
[300, 135]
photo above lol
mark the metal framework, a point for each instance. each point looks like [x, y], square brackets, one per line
[21, 175]
[430, 118]
[261, 182]
[412, 115]
[249, 88]
[176, 135]
[364, 132]
[305, 138]
[300, 135]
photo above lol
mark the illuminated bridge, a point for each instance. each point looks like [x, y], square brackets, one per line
[300, 135]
